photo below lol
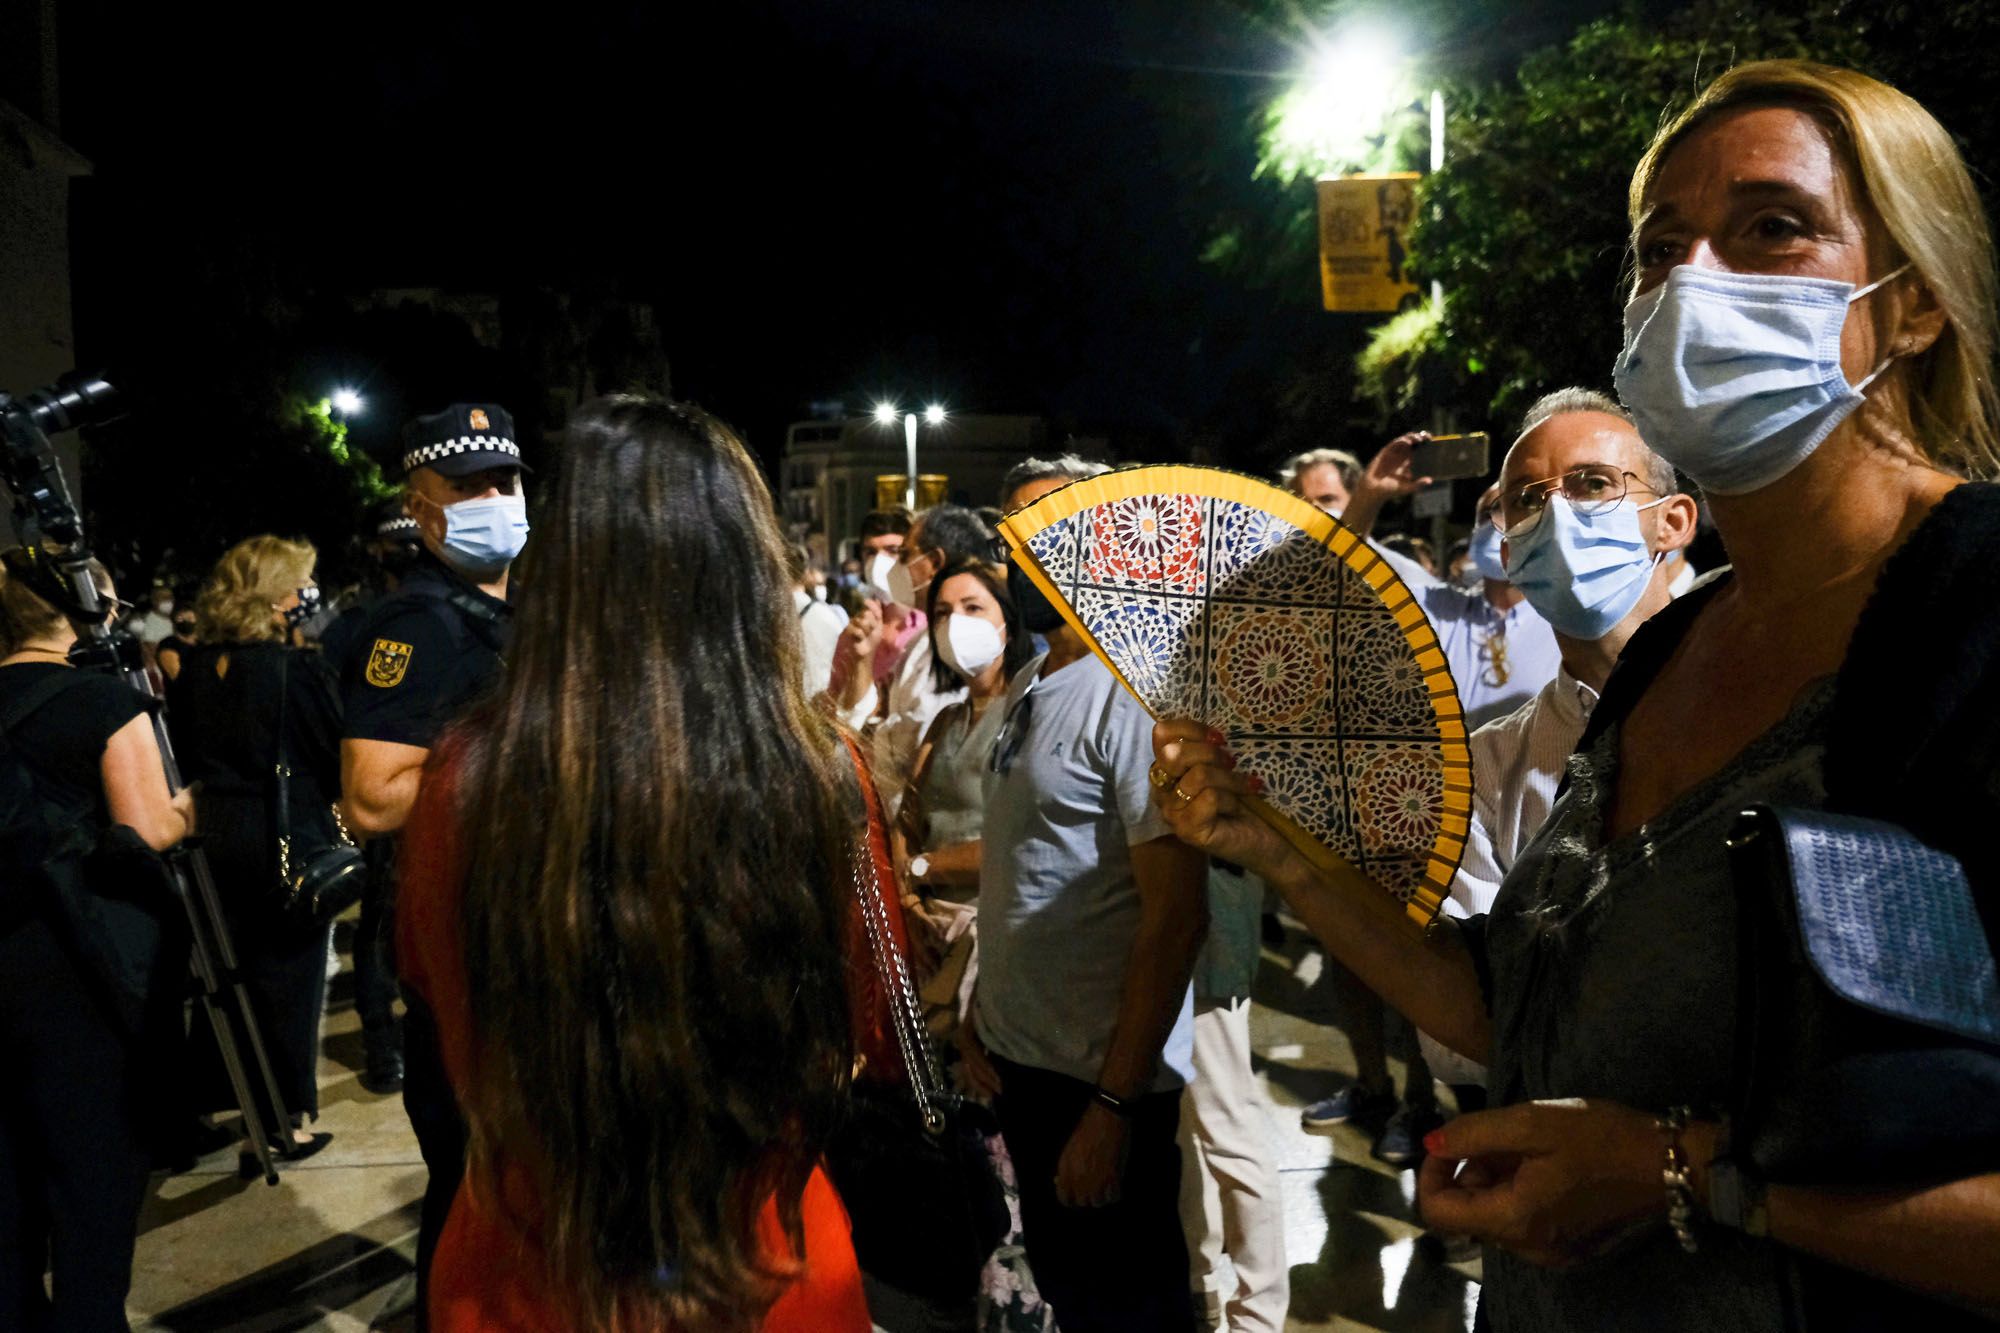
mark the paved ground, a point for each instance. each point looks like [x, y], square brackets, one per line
[330, 1247]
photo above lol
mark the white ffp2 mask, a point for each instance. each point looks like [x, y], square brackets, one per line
[969, 644]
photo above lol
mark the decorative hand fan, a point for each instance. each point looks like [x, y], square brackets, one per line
[1214, 596]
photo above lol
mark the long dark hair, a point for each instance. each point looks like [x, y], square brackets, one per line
[1020, 644]
[657, 829]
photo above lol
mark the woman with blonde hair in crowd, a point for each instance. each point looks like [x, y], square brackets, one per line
[1810, 338]
[248, 698]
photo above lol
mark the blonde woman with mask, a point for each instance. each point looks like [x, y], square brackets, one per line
[1810, 338]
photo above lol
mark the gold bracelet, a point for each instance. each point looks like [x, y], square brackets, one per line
[1680, 1186]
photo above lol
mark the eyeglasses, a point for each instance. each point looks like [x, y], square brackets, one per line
[1013, 734]
[1594, 488]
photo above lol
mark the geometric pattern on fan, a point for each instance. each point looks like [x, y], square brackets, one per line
[1216, 596]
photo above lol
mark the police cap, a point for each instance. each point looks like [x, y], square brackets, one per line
[463, 439]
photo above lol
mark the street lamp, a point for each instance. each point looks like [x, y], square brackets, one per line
[1353, 83]
[885, 415]
[347, 402]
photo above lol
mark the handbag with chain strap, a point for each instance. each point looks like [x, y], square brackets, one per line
[911, 1160]
[315, 883]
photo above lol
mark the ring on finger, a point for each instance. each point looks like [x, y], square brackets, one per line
[1184, 797]
[1160, 777]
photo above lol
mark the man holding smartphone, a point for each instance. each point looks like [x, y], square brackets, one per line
[1500, 650]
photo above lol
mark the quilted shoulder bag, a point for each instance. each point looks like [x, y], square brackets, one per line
[315, 883]
[1869, 1006]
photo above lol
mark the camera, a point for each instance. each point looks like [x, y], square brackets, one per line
[45, 514]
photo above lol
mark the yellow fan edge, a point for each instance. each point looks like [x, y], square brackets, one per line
[1222, 484]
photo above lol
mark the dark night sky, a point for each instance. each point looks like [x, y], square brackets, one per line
[952, 198]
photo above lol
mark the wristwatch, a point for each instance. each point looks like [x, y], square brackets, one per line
[1735, 1192]
[1736, 1198]
[920, 866]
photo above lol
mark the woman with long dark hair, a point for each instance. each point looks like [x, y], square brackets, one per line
[626, 895]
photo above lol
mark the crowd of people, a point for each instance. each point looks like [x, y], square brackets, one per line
[650, 905]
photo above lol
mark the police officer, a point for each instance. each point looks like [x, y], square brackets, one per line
[420, 656]
[393, 547]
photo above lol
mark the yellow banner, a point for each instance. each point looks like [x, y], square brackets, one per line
[1364, 234]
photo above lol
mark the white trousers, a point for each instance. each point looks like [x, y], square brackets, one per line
[1230, 1199]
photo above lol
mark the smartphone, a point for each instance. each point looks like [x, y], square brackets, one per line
[1449, 457]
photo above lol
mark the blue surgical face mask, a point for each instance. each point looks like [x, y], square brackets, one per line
[1735, 378]
[482, 537]
[1485, 552]
[1583, 574]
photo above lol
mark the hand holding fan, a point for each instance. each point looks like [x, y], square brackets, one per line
[1216, 597]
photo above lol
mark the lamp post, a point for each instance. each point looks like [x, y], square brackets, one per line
[885, 415]
[1437, 164]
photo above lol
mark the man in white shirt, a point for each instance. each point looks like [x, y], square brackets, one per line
[819, 623]
[1572, 441]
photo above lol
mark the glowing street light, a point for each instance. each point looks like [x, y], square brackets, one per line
[1353, 82]
[1334, 113]
[347, 402]
[885, 415]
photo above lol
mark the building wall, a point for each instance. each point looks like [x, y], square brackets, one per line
[828, 475]
[37, 341]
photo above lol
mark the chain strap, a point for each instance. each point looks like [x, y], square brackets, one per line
[926, 1080]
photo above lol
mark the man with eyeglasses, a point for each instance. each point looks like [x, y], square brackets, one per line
[1589, 517]
[1501, 652]
[1082, 1028]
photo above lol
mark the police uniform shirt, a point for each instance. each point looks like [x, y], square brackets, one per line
[422, 657]
[340, 639]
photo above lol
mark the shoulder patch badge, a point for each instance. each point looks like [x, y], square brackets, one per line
[387, 663]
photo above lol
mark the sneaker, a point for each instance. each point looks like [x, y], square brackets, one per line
[1402, 1141]
[1352, 1102]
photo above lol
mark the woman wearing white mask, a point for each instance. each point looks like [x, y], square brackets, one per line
[978, 641]
[1810, 339]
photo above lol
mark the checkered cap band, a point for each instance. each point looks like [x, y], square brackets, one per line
[396, 527]
[425, 455]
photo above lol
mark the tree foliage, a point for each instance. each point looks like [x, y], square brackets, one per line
[1525, 226]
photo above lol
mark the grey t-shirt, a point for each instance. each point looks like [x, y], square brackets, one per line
[1058, 907]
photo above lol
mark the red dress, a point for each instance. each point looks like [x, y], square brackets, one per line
[486, 1276]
